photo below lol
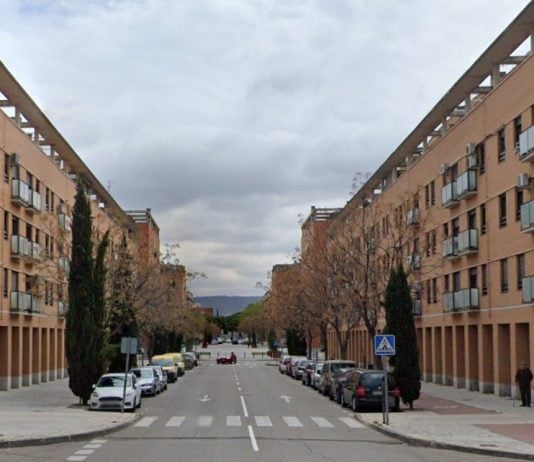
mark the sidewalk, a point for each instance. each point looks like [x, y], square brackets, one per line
[49, 413]
[452, 418]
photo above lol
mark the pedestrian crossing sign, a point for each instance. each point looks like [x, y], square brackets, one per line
[384, 345]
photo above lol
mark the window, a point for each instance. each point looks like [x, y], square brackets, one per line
[502, 209]
[6, 167]
[455, 227]
[6, 225]
[518, 203]
[456, 282]
[481, 155]
[427, 196]
[6, 282]
[433, 241]
[15, 226]
[504, 275]
[445, 230]
[484, 271]
[427, 244]
[520, 270]
[14, 281]
[432, 193]
[428, 292]
[501, 145]
[434, 290]
[517, 130]
[473, 277]
[472, 219]
[483, 223]
[446, 283]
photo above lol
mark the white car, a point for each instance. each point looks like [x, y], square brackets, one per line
[107, 393]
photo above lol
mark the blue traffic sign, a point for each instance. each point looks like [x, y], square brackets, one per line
[384, 345]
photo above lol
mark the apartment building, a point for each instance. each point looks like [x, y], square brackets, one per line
[40, 172]
[457, 196]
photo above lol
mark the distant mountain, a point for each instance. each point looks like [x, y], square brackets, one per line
[226, 304]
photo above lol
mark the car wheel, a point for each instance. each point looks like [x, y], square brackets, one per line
[139, 403]
[132, 409]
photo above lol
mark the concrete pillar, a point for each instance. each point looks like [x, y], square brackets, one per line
[459, 356]
[44, 354]
[16, 356]
[448, 348]
[485, 347]
[52, 355]
[60, 361]
[427, 355]
[5, 358]
[438, 355]
[36, 356]
[472, 371]
[503, 360]
[26, 356]
[495, 75]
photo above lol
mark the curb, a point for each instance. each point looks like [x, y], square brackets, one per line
[66, 438]
[437, 445]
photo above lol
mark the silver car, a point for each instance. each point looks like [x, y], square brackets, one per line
[162, 378]
[147, 380]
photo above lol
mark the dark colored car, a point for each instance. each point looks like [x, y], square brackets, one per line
[338, 380]
[189, 361]
[364, 389]
[227, 359]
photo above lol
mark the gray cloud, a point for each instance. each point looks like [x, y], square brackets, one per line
[230, 118]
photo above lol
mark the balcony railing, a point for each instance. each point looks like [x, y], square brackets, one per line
[24, 302]
[417, 307]
[466, 184]
[412, 216]
[526, 145]
[35, 202]
[528, 289]
[20, 247]
[461, 300]
[449, 196]
[468, 242]
[62, 309]
[527, 217]
[413, 261]
[450, 248]
[20, 192]
[63, 264]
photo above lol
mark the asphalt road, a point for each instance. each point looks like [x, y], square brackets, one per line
[234, 413]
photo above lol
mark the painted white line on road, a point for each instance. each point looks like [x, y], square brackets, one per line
[245, 412]
[84, 452]
[322, 422]
[239, 389]
[292, 422]
[351, 422]
[77, 458]
[146, 422]
[253, 439]
[205, 421]
[263, 421]
[175, 421]
[99, 441]
[92, 446]
[233, 420]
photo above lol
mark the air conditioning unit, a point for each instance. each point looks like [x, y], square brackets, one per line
[523, 180]
[443, 168]
[470, 148]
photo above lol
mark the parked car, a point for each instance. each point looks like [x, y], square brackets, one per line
[179, 361]
[108, 392]
[364, 389]
[168, 365]
[307, 373]
[329, 369]
[338, 380]
[282, 365]
[163, 380]
[147, 380]
[194, 356]
[316, 375]
[189, 361]
[298, 371]
[293, 364]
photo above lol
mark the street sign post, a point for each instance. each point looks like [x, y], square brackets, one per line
[385, 347]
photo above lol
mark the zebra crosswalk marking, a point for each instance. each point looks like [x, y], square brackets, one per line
[175, 421]
[351, 422]
[263, 421]
[146, 422]
[322, 422]
[205, 421]
[292, 421]
[233, 421]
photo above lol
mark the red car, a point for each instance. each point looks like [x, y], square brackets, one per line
[228, 359]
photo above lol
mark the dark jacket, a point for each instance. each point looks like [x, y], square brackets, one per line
[523, 376]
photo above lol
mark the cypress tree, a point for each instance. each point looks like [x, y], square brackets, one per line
[400, 322]
[99, 309]
[82, 331]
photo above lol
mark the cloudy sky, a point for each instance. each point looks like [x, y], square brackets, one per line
[230, 118]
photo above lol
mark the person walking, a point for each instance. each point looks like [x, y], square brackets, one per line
[523, 378]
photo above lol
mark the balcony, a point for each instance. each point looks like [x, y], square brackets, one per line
[468, 242]
[62, 309]
[413, 262]
[35, 201]
[63, 264]
[450, 248]
[526, 145]
[24, 302]
[449, 196]
[528, 289]
[20, 192]
[21, 247]
[64, 222]
[466, 184]
[417, 309]
[527, 217]
[461, 300]
[412, 217]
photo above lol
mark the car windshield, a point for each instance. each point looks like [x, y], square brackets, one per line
[376, 378]
[113, 381]
[335, 367]
[144, 373]
[162, 362]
